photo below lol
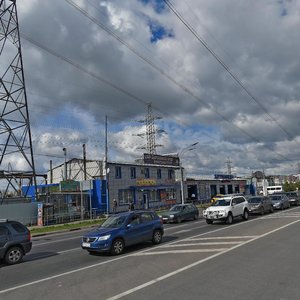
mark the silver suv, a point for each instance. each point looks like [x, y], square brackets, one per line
[15, 241]
[227, 208]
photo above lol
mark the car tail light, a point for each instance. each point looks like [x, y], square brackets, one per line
[29, 235]
[161, 221]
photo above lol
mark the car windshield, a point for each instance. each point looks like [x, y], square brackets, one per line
[222, 202]
[114, 222]
[254, 200]
[176, 208]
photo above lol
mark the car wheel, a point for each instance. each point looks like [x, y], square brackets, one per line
[178, 220]
[14, 255]
[281, 207]
[117, 247]
[229, 219]
[209, 221]
[246, 215]
[196, 217]
[262, 211]
[272, 209]
[157, 237]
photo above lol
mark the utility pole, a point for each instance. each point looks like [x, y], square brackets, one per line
[84, 161]
[106, 169]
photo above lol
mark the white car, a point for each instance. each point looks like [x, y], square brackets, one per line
[226, 209]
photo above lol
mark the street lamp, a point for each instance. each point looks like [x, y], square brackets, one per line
[184, 150]
[65, 164]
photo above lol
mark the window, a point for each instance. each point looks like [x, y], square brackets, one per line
[170, 174]
[19, 228]
[147, 173]
[158, 173]
[118, 172]
[125, 196]
[132, 173]
[3, 231]
[146, 217]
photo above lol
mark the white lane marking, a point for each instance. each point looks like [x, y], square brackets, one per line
[182, 251]
[201, 244]
[223, 238]
[158, 279]
[184, 230]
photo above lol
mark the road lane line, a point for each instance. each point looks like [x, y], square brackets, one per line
[168, 275]
[223, 238]
[201, 244]
[183, 251]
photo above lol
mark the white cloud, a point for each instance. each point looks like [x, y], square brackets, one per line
[255, 39]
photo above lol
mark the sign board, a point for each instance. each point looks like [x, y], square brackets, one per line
[224, 176]
[145, 182]
[70, 186]
[164, 160]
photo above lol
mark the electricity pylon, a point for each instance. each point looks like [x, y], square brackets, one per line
[15, 136]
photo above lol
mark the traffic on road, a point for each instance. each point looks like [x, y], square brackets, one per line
[181, 266]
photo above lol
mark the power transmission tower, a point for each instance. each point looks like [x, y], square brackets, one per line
[229, 166]
[151, 131]
[15, 134]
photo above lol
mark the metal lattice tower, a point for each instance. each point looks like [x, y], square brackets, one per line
[151, 131]
[15, 135]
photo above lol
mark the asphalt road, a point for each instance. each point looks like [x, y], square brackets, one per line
[256, 259]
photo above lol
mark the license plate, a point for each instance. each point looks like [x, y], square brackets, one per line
[86, 245]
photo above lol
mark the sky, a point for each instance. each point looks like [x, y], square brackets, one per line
[223, 74]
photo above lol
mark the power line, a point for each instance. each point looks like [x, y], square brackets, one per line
[225, 66]
[184, 88]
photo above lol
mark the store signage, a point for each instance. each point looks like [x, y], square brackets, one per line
[70, 186]
[145, 182]
[164, 160]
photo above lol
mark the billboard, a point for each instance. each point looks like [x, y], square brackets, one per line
[164, 160]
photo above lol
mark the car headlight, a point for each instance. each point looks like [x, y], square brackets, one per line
[103, 237]
[171, 216]
[204, 212]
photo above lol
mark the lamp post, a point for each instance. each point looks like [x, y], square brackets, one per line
[184, 150]
[65, 164]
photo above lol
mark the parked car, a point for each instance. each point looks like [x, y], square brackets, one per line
[124, 229]
[260, 205]
[15, 241]
[226, 209]
[179, 213]
[294, 198]
[280, 201]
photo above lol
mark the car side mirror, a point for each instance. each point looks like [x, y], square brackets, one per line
[128, 226]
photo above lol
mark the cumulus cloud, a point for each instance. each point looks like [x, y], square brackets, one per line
[154, 58]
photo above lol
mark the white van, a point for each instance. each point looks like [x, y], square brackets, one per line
[274, 189]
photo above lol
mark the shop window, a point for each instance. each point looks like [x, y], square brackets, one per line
[118, 172]
[125, 196]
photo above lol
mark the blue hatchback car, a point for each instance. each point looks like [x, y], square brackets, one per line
[124, 229]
